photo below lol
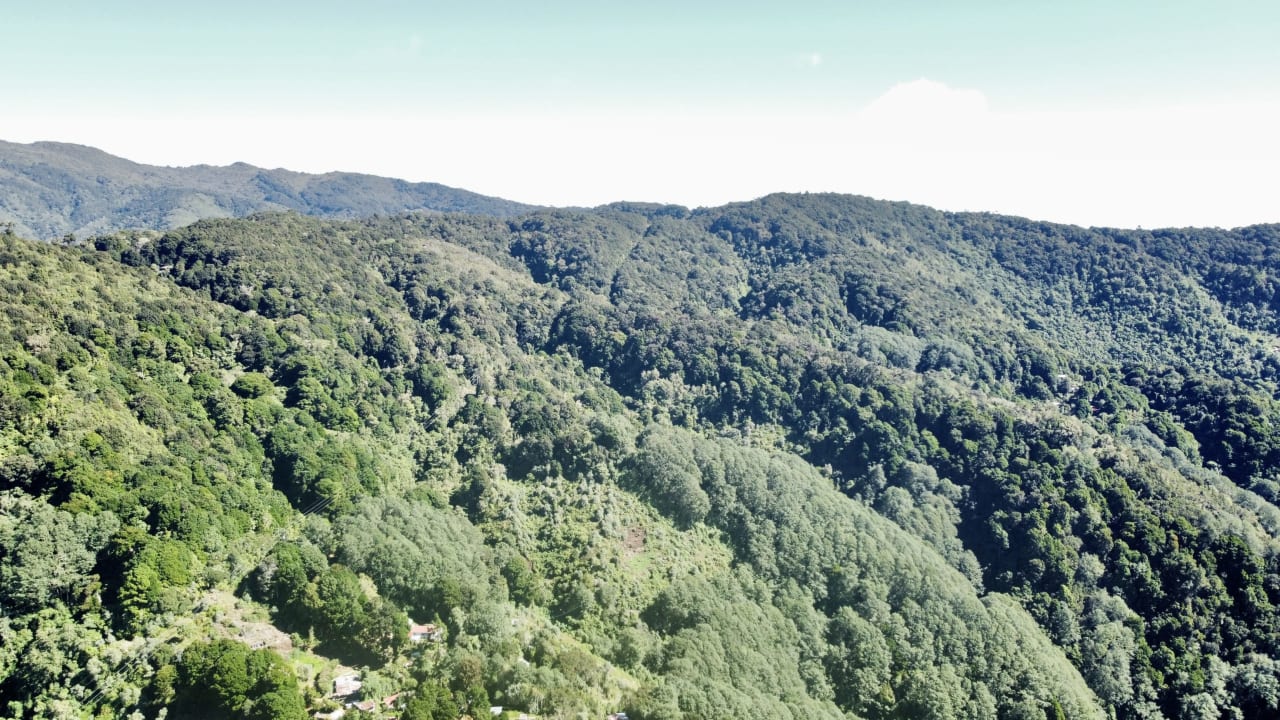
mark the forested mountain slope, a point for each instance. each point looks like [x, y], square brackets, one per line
[48, 190]
[808, 456]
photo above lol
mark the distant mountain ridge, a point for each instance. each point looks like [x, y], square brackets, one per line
[49, 189]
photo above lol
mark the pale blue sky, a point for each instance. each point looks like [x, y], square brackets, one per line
[162, 82]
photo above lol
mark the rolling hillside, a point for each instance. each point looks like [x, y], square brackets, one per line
[805, 456]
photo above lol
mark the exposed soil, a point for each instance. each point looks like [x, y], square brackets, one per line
[634, 540]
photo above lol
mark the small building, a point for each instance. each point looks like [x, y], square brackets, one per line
[331, 715]
[424, 633]
[346, 685]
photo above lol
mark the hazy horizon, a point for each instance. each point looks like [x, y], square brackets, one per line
[1152, 114]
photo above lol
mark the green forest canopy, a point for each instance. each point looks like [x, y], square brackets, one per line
[808, 456]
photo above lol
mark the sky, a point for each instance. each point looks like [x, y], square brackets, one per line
[1122, 114]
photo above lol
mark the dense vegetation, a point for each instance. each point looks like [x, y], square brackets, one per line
[49, 190]
[809, 456]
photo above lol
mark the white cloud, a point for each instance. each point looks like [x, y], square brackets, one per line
[1204, 165]
[926, 98]
[806, 60]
